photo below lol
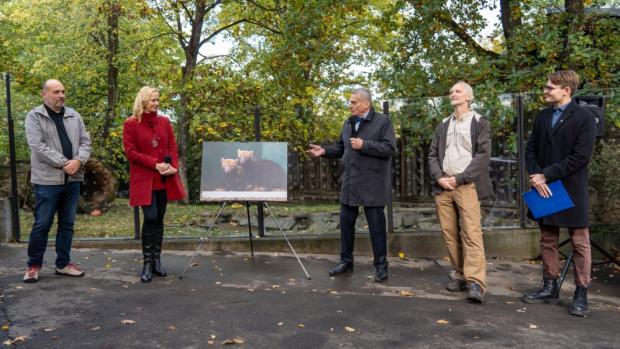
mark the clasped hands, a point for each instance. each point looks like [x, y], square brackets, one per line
[448, 183]
[71, 166]
[539, 182]
[165, 169]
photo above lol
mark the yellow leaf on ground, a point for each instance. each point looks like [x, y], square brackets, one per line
[443, 322]
[401, 254]
[233, 341]
[18, 339]
[301, 325]
[406, 293]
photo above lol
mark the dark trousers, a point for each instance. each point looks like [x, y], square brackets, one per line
[582, 257]
[376, 226]
[153, 226]
[49, 201]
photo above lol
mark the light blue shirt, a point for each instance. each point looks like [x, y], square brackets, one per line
[557, 112]
[357, 124]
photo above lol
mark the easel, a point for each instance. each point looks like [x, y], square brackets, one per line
[262, 204]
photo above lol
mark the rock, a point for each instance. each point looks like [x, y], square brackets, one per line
[409, 220]
[286, 223]
[302, 221]
[428, 226]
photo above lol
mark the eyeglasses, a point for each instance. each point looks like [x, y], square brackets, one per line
[550, 88]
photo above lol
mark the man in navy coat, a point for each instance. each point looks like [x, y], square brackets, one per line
[559, 148]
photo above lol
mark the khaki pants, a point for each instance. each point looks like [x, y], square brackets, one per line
[459, 216]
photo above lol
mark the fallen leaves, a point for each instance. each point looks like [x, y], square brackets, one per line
[233, 341]
[5, 328]
[349, 329]
[128, 322]
[301, 325]
[442, 322]
[406, 293]
[18, 339]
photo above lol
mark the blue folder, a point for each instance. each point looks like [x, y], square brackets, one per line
[558, 201]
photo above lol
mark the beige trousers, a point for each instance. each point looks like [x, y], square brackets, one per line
[459, 216]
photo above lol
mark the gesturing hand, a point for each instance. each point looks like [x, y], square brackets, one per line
[316, 151]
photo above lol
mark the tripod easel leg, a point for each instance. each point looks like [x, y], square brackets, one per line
[287, 241]
[569, 260]
[247, 205]
[202, 239]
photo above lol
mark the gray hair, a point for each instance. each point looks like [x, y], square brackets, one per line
[468, 89]
[363, 92]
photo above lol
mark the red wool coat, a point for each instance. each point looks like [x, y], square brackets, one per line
[139, 139]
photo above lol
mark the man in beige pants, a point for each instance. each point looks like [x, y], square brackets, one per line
[458, 162]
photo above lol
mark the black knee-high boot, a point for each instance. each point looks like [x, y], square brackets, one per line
[158, 269]
[148, 248]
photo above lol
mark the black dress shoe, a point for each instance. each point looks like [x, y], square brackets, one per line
[381, 275]
[547, 291]
[580, 302]
[341, 268]
[147, 272]
[475, 293]
[456, 285]
[158, 269]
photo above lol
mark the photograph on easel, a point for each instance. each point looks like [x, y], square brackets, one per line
[244, 171]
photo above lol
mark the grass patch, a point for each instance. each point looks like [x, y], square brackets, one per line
[181, 220]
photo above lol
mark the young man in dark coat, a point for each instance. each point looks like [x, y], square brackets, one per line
[366, 143]
[559, 148]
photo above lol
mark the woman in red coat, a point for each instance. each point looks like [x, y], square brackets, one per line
[152, 152]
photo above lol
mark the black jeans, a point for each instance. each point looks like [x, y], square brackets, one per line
[153, 226]
[376, 226]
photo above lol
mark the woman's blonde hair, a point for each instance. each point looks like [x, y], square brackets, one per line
[144, 95]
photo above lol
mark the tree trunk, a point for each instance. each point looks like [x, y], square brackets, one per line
[574, 7]
[113, 13]
[191, 60]
[511, 18]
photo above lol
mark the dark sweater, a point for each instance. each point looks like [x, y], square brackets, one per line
[67, 147]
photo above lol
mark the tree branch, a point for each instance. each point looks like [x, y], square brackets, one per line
[462, 34]
[219, 30]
